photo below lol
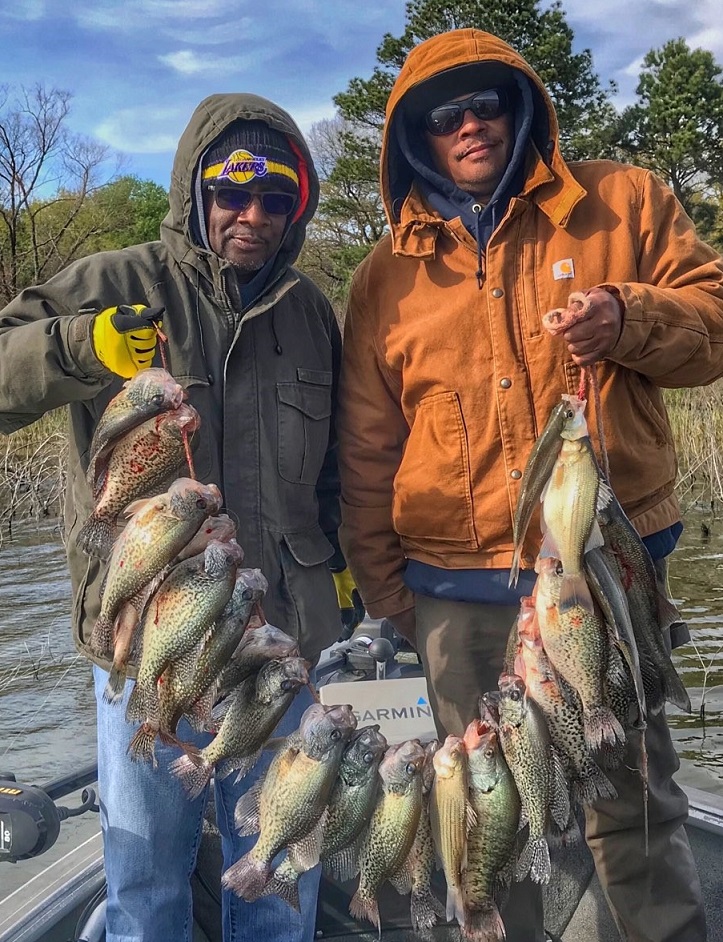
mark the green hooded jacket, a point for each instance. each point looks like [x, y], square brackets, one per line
[262, 378]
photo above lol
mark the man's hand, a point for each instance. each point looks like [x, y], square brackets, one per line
[595, 334]
[125, 337]
[405, 624]
[350, 603]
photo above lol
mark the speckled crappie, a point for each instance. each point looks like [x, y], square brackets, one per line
[385, 852]
[143, 462]
[176, 618]
[247, 720]
[288, 805]
[425, 908]
[257, 646]
[158, 529]
[148, 394]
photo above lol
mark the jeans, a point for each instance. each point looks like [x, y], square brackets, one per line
[152, 831]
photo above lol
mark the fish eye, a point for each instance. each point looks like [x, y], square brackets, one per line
[410, 768]
[569, 413]
[515, 694]
[287, 685]
[247, 595]
[489, 753]
[335, 734]
[201, 503]
[368, 758]
[158, 399]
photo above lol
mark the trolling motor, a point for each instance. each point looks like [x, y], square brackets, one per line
[30, 819]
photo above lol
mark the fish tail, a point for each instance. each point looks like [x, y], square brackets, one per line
[194, 773]
[484, 924]
[514, 568]
[535, 860]
[285, 885]
[116, 683]
[425, 909]
[674, 688]
[602, 728]
[361, 908]
[247, 877]
[593, 784]
[101, 638]
[95, 537]
[574, 590]
[143, 745]
[454, 908]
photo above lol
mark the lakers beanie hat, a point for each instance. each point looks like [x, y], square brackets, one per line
[247, 151]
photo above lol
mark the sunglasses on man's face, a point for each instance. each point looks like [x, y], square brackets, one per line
[237, 200]
[487, 105]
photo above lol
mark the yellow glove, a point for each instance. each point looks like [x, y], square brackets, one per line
[350, 603]
[124, 337]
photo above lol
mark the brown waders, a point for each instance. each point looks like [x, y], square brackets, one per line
[653, 899]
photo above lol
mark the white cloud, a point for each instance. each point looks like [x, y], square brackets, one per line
[29, 10]
[161, 129]
[188, 62]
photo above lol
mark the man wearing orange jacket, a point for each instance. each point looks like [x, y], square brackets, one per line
[449, 376]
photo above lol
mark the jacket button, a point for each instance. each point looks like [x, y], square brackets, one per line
[515, 475]
[497, 293]
[505, 382]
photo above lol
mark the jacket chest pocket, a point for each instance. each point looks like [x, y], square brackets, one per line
[303, 426]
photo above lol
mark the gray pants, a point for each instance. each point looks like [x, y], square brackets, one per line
[653, 899]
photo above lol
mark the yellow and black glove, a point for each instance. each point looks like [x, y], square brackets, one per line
[125, 337]
[350, 603]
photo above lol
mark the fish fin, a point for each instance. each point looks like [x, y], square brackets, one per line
[306, 851]
[344, 864]
[535, 860]
[549, 548]
[595, 540]
[574, 590]
[674, 687]
[276, 744]
[240, 764]
[592, 784]
[113, 692]
[560, 805]
[454, 908]
[199, 713]
[668, 613]
[484, 923]
[605, 495]
[247, 878]
[470, 817]
[285, 885]
[143, 745]
[194, 773]
[101, 638]
[95, 537]
[361, 908]
[602, 727]
[425, 909]
[247, 813]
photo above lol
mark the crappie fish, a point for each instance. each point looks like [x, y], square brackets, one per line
[650, 611]
[569, 506]
[425, 908]
[564, 718]
[577, 645]
[451, 815]
[256, 647]
[385, 852]
[143, 461]
[249, 718]
[536, 769]
[216, 650]
[350, 806]
[147, 394]
[491, 839]
[537, 472]
[158, 528]
[176, 618]
[288, 805]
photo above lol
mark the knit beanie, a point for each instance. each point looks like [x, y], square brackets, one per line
[247, 151]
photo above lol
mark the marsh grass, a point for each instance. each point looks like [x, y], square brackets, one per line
[696, 417]
[32, 470]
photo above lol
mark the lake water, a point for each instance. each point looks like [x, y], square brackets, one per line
[47, 707]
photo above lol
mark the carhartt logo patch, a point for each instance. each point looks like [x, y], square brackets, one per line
[565, 268]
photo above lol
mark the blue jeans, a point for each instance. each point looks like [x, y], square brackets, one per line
[151, 834]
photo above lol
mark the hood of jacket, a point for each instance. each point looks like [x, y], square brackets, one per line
[466, 57]
[209, 120]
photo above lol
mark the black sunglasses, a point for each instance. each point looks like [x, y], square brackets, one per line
[238, 200]
[487, 105]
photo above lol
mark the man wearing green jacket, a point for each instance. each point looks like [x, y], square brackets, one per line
[256, 346]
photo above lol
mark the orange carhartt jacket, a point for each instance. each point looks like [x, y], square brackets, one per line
[445, 385]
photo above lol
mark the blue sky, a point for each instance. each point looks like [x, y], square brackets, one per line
[137, 68]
